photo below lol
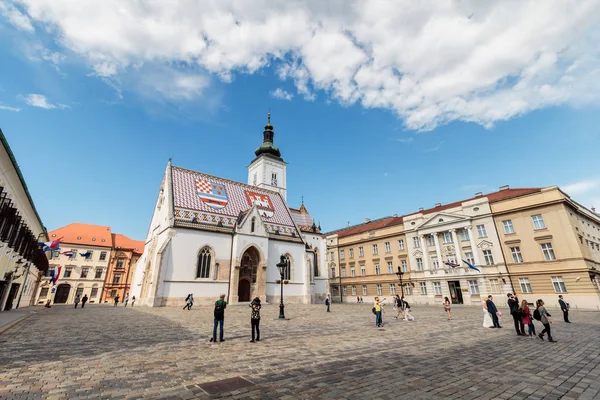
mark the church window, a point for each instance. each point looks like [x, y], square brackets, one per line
[204, 259]
[273, 179]
[287, 272]
[316, 264]
[253, 224]
[254, 179]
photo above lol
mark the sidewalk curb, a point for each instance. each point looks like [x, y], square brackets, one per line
[6, 327]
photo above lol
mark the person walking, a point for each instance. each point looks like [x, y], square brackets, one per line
[328, 301]
[77, 299]
[406, 310]
[219, 314]
[132, 301]
[377, 308]
[491, 307]
[526, 318]
[564, 306]
[357, 299]
[513, 305]
[117, 301]
[447, 307]
[126, 299]
[189, 302]
[398, 306]
[544, 318]
[84, 300]
[255, 319]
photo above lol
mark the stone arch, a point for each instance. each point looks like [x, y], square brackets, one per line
[250, 277]
[205, 262]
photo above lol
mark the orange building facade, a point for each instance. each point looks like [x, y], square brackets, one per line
[124, 256]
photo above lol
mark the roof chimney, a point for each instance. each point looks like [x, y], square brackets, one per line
[396, 215]
[505, 187]
[438, 204]
[420, 208]
[478, 194]
[593, 209]
[367, 220]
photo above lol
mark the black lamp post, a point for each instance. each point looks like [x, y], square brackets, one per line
[400, 273]
[281, 266]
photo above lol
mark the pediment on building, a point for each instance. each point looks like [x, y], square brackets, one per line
[418, 253]
[247, 219]
[484, 245]
[441, 219]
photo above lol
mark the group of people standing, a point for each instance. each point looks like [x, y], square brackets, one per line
[125, 300]
[219, 318]
[522, 315]
[400, 304]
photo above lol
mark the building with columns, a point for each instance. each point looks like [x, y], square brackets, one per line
[430, 247]
[211, 235]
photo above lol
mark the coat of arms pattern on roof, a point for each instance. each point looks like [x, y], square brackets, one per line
[209, 194]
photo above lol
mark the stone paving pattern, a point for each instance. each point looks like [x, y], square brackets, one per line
[104, 352]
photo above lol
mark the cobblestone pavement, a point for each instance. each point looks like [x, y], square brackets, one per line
[106, 352]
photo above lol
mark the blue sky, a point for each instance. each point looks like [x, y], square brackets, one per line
[93, 121]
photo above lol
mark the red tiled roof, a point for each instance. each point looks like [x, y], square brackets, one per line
[383, 223]
[77, 233]
[122, 241]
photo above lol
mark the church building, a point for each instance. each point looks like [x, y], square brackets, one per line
[211, 235]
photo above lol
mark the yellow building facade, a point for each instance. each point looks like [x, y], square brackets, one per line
[492, 232]
[551, 246]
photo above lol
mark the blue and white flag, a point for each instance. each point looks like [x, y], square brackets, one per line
[471, 266]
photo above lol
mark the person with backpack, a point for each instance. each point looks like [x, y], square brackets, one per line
[328, 301]
[542, 315]
[377, 309]
[219, 314]
[255, 319]
[526, 318]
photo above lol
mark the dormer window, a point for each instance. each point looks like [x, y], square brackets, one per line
[273, 179]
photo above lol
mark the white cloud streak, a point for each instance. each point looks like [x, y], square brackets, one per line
[8, 108]
[430, 62]
[40, 101]
[16, 17]
[282, 94]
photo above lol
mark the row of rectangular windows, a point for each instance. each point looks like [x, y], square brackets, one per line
[88, 255]
[538, 223]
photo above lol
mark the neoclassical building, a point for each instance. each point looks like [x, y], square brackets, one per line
[535, 242]
[211, 235]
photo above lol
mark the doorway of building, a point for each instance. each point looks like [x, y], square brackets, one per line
[244, 290]
[455, 292]
[14, 289]
[62, 293]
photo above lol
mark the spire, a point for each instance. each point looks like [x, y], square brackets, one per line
[268, 147]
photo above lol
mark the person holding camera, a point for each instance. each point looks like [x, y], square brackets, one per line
[255, 319]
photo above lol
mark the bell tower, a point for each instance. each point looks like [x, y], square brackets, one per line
[268, 170]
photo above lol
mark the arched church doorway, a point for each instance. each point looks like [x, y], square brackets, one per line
[62, 293]
[248, 270]
[244, 290]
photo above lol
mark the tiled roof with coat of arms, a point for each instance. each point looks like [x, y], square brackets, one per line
[209, 200]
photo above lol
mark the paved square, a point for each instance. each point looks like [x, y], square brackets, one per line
[106, 352]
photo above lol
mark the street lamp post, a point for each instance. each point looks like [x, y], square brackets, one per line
[400, 273]
[281, 266]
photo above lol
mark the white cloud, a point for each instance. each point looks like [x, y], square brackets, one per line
[7, 108]
[429, 62]
[282, 94]
[16, 17]
[585, 192]
[38, 100]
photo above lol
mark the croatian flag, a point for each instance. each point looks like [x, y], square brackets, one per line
[53, 245]
[86, 254]
[54, 275]
[471, 266]
[67, 253]
[451, 264]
